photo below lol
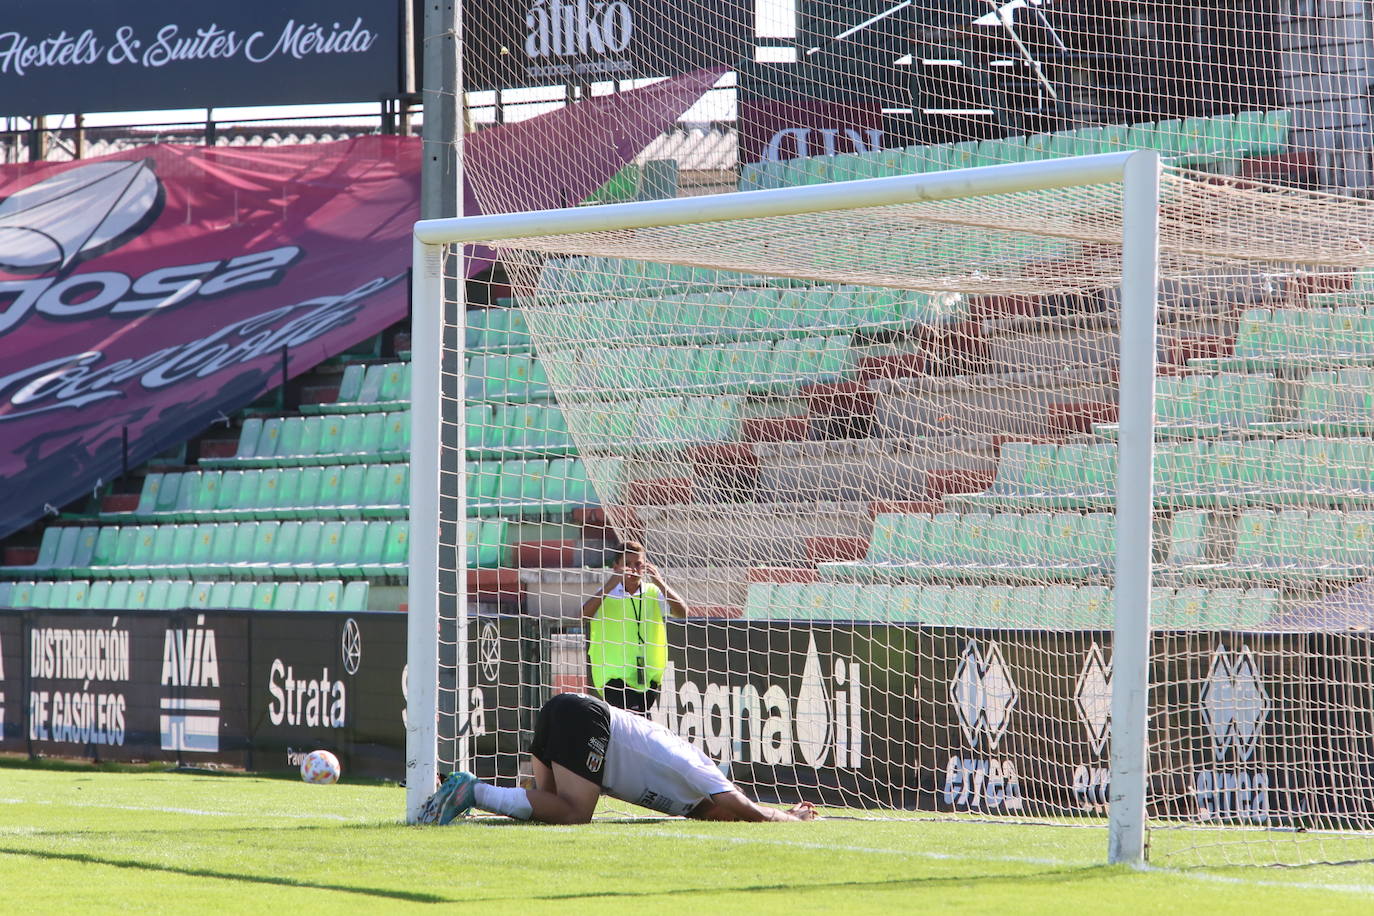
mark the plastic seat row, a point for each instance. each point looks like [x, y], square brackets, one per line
[754, 365]
[661, 422]
[245, 550]
[583, 277]
[497, 328]
[1198, 142]
[378, 387]
[1205, 404]
[1041, 546]
[753, 312]
[321, 440]
[534, 428]
[1260, 544]
[535, 486]
[335, 491]
[1333, 403]
[1199, 473]
[507, 377]
[1058, 606]
[175, 594]
[1321, 337]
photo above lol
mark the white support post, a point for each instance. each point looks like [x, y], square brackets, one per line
[422, 624]
[1134, 510]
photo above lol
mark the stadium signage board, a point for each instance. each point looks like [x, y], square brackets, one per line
[513, 43]
[80, 56]
[790, 705]
[256, 690]
[788, 111]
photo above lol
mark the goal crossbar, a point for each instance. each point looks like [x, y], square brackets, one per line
[1137, 172]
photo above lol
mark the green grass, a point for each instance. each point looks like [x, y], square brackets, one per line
[91, 840]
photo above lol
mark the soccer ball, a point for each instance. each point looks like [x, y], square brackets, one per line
[320, 768]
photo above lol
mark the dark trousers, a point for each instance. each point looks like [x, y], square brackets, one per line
[627, 698]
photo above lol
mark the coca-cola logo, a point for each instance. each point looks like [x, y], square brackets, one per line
[580, 28]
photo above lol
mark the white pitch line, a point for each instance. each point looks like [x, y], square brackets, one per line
[170, 810]
[1365, 889]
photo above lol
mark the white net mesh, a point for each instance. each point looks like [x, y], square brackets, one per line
[874, 451]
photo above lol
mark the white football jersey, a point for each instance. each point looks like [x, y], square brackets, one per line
[648, 765]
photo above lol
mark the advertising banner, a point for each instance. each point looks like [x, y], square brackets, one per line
[65, 56]
[1235, 726]
[156, 290]
[513, 43]
[1012, 722]
[828, 707]
[792, 111]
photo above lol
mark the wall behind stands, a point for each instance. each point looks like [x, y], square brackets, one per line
[253, 690]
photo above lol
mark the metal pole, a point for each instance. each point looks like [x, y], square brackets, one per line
[1134, 511]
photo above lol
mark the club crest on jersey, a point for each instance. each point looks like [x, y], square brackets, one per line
[594, 762]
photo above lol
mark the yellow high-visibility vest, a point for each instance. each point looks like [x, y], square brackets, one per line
[629, 640]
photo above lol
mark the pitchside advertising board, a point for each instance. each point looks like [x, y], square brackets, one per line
[61, 56]
[249, 690]
[511, 43]
[1253, 729]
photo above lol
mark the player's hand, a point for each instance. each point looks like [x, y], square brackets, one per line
[803, 811]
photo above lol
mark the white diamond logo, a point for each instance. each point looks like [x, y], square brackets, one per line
[1093, 697]
[984, 695]
[1235, 704]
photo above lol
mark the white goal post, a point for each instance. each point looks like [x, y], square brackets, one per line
[434, 611]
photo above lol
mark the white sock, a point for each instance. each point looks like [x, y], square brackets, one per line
[511, 802]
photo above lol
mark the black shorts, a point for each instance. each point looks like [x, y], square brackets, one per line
[573, 730]
[629, 699]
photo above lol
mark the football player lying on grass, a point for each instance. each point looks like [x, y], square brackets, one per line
[583, 749]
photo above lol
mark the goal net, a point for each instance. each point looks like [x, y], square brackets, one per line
[874, 448]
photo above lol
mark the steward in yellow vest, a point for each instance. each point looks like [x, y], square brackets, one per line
[627, 638]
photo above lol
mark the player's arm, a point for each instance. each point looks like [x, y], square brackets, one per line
[676, 606]
[735, 806]
[593, 604]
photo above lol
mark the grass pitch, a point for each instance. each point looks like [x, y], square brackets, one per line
[90, 840]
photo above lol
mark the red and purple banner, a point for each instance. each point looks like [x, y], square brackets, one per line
[154, 291]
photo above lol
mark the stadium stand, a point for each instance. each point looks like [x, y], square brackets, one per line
[964, 408]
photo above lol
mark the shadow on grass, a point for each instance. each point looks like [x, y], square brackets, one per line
[86, 859]
[1050, 877]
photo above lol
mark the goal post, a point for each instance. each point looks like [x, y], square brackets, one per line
[433, 556]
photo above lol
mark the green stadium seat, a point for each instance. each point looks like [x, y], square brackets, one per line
[1024, 606]
[1252, 538]
[1258, 608]
[1057, 603]
[788, 601]
[994, 606]
[1221, 608]
[962, 608]
[846, 601]
[1092, 608]
[264, 594]
[178, 595]
[758, 601]
[201, 593]
[286, 596]
[900, 603]
[1188, 538]
[873, 603]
